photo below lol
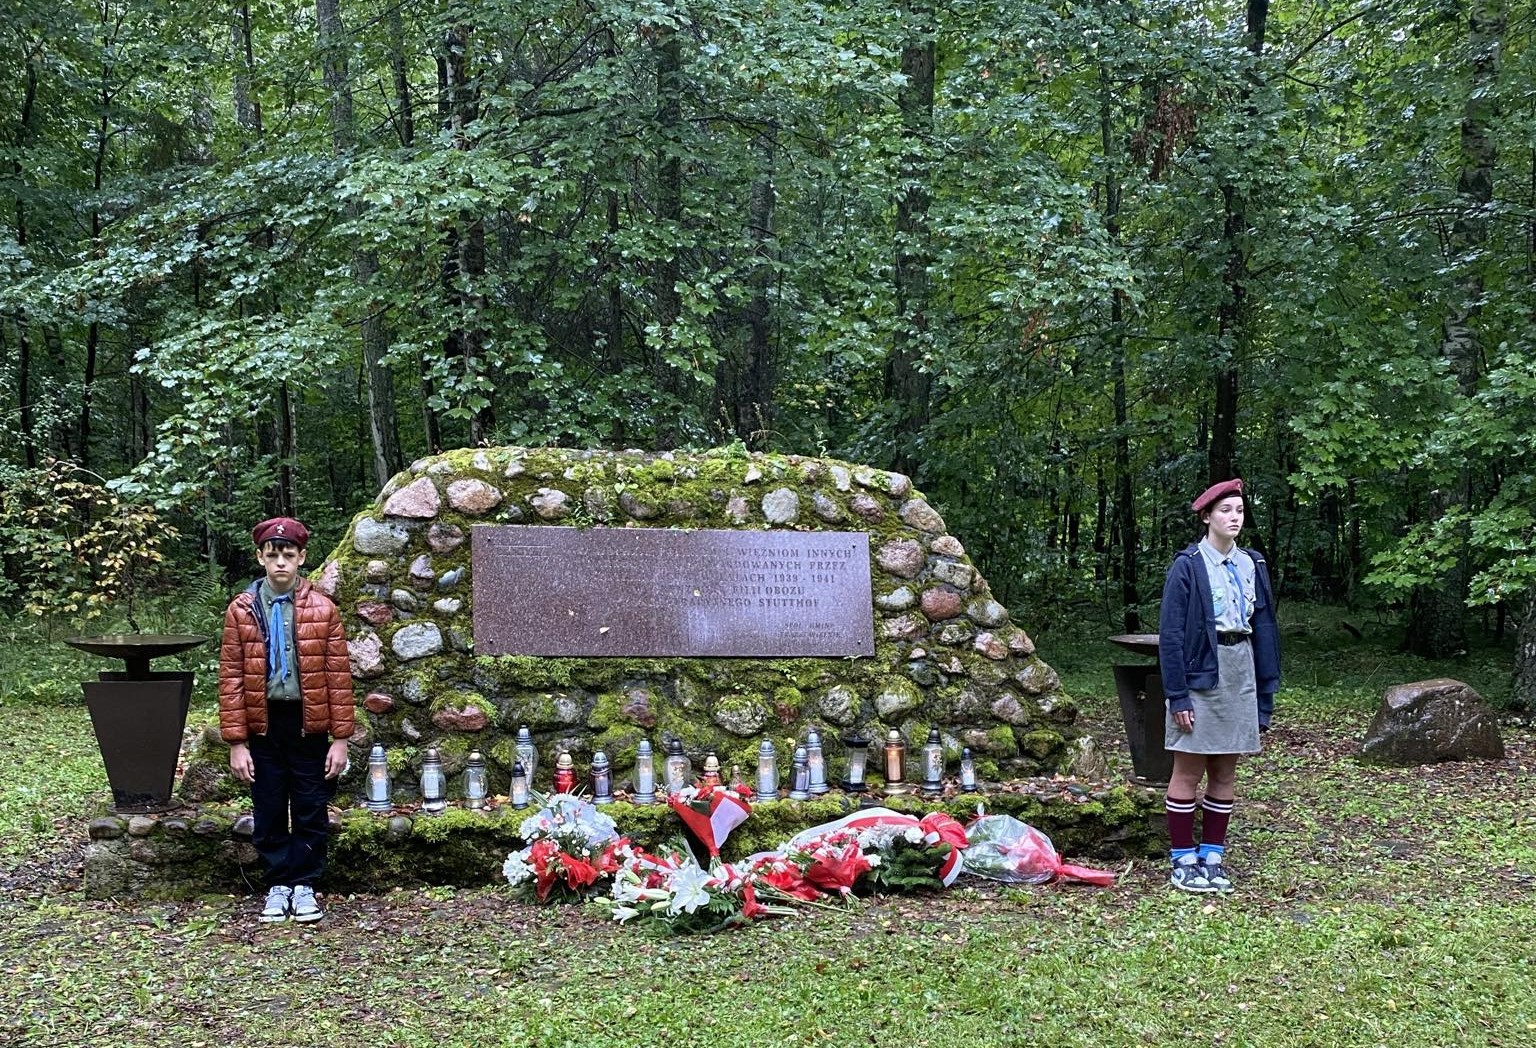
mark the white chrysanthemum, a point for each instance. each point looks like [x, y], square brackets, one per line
[873, 858]
[516, 868]
[913, 835]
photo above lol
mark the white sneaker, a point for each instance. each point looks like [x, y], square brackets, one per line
[278, 905]
[305, 907]
[1190, 877]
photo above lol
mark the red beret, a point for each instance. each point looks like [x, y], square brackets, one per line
[1215, 493]
[282, 528]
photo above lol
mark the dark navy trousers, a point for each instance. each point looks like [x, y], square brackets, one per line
[289, 797]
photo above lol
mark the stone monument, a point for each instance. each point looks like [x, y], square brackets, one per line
[605, 597]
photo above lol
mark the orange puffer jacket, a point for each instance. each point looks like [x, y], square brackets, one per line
[325, 675]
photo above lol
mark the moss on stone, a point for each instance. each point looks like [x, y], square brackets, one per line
[1002, 743]
[1041, 743]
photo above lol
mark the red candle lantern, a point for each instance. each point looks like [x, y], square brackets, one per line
[565, 773]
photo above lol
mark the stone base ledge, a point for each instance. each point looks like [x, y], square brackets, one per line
[207, 849]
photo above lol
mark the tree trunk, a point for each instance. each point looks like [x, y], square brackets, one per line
[908, 382]
[1437, 612]
[753, 407]
[377, 379]
[669, 216]
[1125, 492]
[1233, 320]
[404, 117]
[23, 325]
[1525, 657]
[467, 245]
[283, 429]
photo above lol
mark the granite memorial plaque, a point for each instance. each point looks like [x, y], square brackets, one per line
[656, 592]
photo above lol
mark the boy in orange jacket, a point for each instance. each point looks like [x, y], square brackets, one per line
[286, 710]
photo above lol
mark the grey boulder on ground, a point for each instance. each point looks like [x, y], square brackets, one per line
[1430, 721]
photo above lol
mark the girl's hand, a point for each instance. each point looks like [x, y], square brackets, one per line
[1184, 720]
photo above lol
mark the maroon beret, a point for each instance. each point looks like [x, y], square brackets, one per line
[1215, 493]
[284, 529]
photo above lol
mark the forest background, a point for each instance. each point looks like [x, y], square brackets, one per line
[1064, 263]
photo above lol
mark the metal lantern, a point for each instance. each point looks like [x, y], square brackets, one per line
[857, 747]
[711, 776]
[767, 771]
[565, 773]
[967, 771]
[933, 765]
[474, 781]
[677, 769]
[434, 788]
[817, 762]
[519, 785]
[894, 763]
[527, 752]
[800, 776]
[378, 780]
[645, 774]
[602, 779]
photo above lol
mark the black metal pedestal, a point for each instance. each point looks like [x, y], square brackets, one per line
[1141, 708]
[139, 715]
[138, 728]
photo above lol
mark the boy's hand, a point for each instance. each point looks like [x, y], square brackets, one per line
[240, 763]
[336, 758]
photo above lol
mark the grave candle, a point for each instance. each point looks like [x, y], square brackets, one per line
[434, 790]
[565, 773]
[817, 762]
[767, 771]
[602, 779]
[894, 763]
[933, 765]
[526, 751]
[519, 785]
[800, 779]
[474, 780]
[645, 774]
[378, 780]
[857, 747]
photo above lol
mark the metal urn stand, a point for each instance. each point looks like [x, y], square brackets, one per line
[138, 715]
[1140, 687]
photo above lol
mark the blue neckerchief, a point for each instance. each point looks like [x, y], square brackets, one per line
[277, 635]
[1242, 596]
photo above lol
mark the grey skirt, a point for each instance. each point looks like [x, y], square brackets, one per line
[1226, 716]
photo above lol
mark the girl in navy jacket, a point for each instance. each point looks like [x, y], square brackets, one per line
[1219, 650]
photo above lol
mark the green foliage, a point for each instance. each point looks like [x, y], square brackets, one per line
[74, 549]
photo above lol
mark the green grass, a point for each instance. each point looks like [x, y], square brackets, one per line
[1376, 907]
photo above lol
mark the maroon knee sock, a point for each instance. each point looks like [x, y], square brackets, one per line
[1181, 822]
[1213, 820]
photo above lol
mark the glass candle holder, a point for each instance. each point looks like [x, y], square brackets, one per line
[800, 781]
[645, 774]
[519, 785]
[378, 792]
[767, 771]
[856, 748]
[434, 788]
[474, 781]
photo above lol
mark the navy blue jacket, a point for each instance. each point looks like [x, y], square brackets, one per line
[1186, 632]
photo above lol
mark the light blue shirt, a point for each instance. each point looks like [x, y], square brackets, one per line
[1234, 584]
[281, 689]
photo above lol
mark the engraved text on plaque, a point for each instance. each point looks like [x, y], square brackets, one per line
[649, 591]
